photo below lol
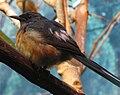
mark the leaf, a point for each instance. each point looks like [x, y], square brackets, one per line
[7, 39]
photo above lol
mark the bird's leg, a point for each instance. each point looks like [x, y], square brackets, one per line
[37, 68]
[41, 70]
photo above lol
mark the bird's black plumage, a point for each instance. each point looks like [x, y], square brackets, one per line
[52, 44]
[54, 34]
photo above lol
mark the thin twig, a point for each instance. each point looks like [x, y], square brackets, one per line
[98, 16]
[24, 5]
[102, 42]
[112, 23]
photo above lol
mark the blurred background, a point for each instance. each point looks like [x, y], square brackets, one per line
[11, 83]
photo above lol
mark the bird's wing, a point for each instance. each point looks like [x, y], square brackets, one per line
[55, 34]
[61, 40]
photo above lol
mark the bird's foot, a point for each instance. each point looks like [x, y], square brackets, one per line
[41, 71]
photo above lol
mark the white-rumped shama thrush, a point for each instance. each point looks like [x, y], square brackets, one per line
[46, 44]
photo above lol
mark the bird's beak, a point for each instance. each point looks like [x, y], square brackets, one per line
[16, 17]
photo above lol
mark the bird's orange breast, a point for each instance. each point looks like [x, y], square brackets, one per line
[30, 45]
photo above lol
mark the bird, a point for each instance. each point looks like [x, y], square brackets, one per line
[46, 43]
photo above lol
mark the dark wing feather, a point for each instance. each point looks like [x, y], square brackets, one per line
[55, 34]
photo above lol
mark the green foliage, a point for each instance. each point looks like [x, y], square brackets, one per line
[7, 39]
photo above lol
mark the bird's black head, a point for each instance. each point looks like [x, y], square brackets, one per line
[26, 17]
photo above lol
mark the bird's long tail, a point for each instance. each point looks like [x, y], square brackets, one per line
[98, 69]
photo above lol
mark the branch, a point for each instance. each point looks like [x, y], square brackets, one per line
[27, 5]
[102, 42]
[106, 30]
[112, 24]
[62, 14]
[24, 5]
[44, 79]
[5, 7]
[81, 16]
[98, 16]
[67, 22]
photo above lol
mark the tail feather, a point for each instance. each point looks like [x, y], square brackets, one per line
[98, 69]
